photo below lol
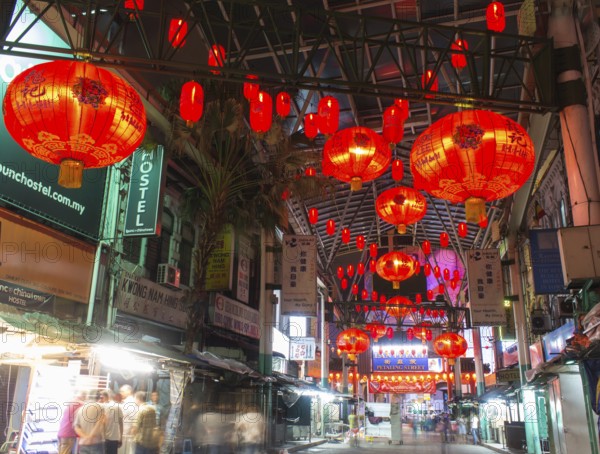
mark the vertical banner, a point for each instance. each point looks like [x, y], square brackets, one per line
[299, 275]
[546, 263]
[486, 292]
[219, 270]
[245, 255]
[143, 198]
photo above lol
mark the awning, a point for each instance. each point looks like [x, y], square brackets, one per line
[502, 392]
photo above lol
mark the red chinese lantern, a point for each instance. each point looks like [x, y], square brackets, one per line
[418, 298]
[374, 295]
[355, 289]
[330, 228]
[444, 239]
[357, 154]
[483, 223]
[410, 334]
[401, 206]
[372, 265]
[395, 266]
[450, 345]
[373, 250]
[178, 30]
[427, 270]
[251, 89]
[74, 114]
[344, 284]
[453, 284]
[429, 295]
[426, 246]
[436, 271]
[350, 270]
[393, 125]
[377, 330]
[456, 275]
[398, 307]
[261, 113]
[311, 126]
[136, 5]
[397, 170]
[446, 274]
[285, 194]
[403, 105]
[382, 299]
[360, 269]
[352, 341]
[429, 82]
[495, 17]
[418, 268]
[345, 235]
[441, 289]
[216, 57]
[340, 272]
[313, 215]
[389, 332]
[283, 104]
[191, 102]
[364, 294]
[462, 229]
[310, 172]
[360, 242]
[458, 59]
[479, 156]
[329, 115]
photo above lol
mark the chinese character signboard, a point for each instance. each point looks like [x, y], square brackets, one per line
[245, 254]
[546, 264]
[302, 349]
[403, 364]
[234, 316]
[219, 270]
[299, 272]
[485, 287]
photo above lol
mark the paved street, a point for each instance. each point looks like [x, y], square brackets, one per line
[419, 447]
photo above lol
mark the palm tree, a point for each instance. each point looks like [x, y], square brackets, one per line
[238, 179]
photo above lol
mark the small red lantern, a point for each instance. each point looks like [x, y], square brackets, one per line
[453, 284]
[382, 299]
[426, 246]
[74, 114]
[377, 330]
[458, 57]
[355, 155]
[374, 295]
[436, 271]
[446, 274]
[401, 206]
[261, 113]
[330, 228]
[429, 82]
[393, 125]
[285, 194]
[340, 272]
[462, 229]
[403, 105]
[418, 268]
[344, 283]
[251, 89]
[191, 102]
[355, 289]
[178, 30]
[311, 125]
[441, 289]
[345, 235]
[216, 57]
[427, 270]
[395, 266]
[450, 345]
[283, 104]
[364, 294]
[372, 265]
[444, 239]
[352, 341]
[410, 334]
[456, 275]
[350, 270]
[329, 115]
[483, 223]
[373, 250]
[313, 215]
[418, 298]
[397, 170]
[495, 17]
[310, 172]
[429, 295]
[360, 242]
[360, 269]
[389, 332]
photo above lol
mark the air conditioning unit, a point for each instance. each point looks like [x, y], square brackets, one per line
[168, 275]
[566, 307]
[540, 322]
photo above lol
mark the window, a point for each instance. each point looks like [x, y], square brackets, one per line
[186, 250]
[159, 247]
[132, 249]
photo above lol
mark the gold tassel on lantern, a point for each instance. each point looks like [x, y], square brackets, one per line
[70, 174]
[475, 209]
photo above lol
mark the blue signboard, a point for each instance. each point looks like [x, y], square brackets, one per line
[545, 261]
[403, 364]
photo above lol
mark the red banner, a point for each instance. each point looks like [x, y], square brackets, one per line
[403, 387]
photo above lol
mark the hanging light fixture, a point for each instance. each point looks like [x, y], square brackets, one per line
[401, 206]
[329, 115]
[251, 89]
[495, 17]
[395, 266]
[480, 156]
[398, 307]
[283, 104]
[450, 345]
[352, 341]
[261, 112]
[311, 125]
[357, 154]
[74, 114]
[216, 57]
[178, 30]
[191, 102]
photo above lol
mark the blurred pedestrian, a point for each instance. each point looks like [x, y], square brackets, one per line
[129, 409]
[147, 434]
[113, 431]
[462, 429]
[67, 437]
[89, 426]
[475, 429]
[250, 430]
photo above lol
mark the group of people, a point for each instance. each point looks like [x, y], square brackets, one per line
[112, 423]
[461, 429]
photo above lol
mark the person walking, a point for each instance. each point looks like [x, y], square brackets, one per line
[462, 429]
[67, 437]
[113, 428]
[129, 409]
[146, 432]
[89, 426]
[475, 429]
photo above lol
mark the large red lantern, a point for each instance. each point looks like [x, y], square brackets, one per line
[178, 30]
[191, 102]
[495, 17]
[251, 89]
[357, 154]
[283, 104]
[398, 307]
[74, 114]
[458, 57]
[393, 125]
[471, 157]
[377, 330]
[329, 115]
[395, 266]
[311, 126]
[450, 345]
[352, 341]
[216, 57]
[401, 206]
[261, 113]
